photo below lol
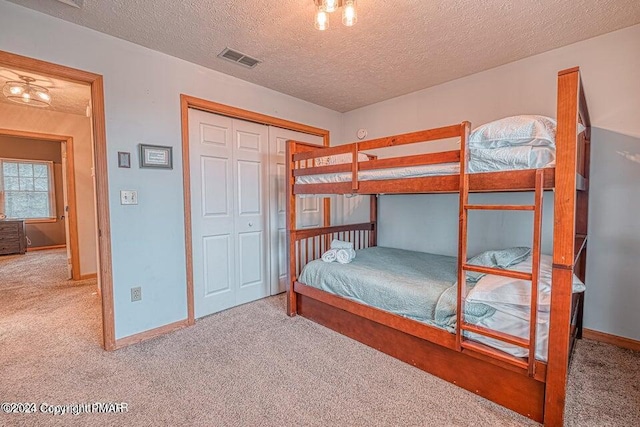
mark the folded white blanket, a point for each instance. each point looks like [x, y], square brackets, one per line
[345, 256]
[330, 255]
[339, 244]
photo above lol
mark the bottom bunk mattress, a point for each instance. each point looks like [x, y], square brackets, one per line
[423, 287]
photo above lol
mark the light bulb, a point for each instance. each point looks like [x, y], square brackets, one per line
[26, 97]
[44, 96]
[349, 15]
[322, 19]
[15, 90]
[330, 5]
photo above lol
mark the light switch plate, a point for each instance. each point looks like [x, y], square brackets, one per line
[128, 197]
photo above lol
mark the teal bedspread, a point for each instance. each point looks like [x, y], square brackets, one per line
[416, 285]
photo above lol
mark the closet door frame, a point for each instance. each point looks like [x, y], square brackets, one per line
[187, 102]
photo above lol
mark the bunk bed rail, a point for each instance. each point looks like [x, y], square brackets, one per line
[310, 243]
[308, 162]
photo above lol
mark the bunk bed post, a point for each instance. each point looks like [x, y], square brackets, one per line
[373, 218]
[326, 206]
[291, 225]
[563, 246]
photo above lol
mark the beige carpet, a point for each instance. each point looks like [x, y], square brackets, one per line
[249, 366]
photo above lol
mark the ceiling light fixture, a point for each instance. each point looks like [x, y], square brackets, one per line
[25, 92]
[324, 7]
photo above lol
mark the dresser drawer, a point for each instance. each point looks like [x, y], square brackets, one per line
[9, 234]
[9, 228]
[12, 237]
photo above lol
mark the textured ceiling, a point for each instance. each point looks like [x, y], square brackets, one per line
[396, 47]
[66, 97]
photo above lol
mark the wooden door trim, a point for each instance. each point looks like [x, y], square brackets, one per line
[72, 213]
[186, 102]
[100, 158]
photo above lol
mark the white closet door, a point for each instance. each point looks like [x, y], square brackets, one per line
[212, 211]
[229, 211]
[251, 171]
[310, 209]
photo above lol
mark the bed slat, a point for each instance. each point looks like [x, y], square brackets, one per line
[497, 272]
[501, 207]
[508, 338]
[496, 354]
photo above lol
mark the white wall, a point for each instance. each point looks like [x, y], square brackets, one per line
[142, 89]
[609, 66]
[18, 117]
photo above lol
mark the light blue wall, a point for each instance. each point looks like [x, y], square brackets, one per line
[613, 268]
[429, 223]
[142, 89]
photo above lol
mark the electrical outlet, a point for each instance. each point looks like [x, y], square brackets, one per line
[136, 294]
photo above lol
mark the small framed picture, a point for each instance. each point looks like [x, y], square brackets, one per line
[156, 156]
[124, 159]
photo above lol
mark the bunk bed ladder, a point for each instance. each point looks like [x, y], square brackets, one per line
[530, 343]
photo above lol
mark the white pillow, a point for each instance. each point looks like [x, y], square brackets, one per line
[516, 130]
[339, 159]
[497, 290]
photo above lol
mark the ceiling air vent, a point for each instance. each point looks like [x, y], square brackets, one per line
[238, 58]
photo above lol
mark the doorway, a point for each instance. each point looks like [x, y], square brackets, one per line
[99, 157]
[231, 162]
[58, 226]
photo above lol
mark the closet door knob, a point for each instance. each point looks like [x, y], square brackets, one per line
[250, 224]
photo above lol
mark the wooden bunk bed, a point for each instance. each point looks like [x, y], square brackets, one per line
[526, 385]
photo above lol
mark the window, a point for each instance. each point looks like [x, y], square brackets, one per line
[26, 189]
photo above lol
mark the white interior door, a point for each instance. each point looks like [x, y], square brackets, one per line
[212, 216]
[228, 211]
[251, 171]
[309, 209]
[65, 213]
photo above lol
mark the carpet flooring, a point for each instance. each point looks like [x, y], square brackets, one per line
[248, 366]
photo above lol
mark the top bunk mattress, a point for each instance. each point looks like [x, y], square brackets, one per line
[481, 160]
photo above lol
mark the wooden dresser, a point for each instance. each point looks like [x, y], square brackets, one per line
[13, 238]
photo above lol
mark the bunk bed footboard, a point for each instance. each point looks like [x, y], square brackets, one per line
[311, 243]
[308, 244]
